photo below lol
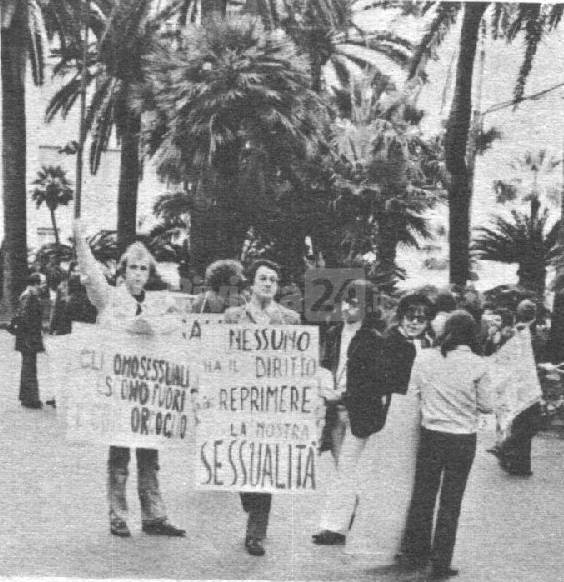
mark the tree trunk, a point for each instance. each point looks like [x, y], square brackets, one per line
[130, 168]
[54, 224]
[14, 193]
[533, 277]
[316, 73]
[456, 138]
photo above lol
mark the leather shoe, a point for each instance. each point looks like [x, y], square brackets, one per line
[36, 404]
[162, 528]
[443, 573]
[254, 547]
[408, 563]
[329, 538]
[119, 528]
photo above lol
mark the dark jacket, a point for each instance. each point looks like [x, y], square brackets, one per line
[29, 333]
[331, 348]
[399, 354]
[365, 381]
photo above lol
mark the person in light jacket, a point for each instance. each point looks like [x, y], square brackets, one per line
[128, 303]
[454, 387]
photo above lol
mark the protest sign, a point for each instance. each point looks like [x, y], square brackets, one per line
[258, 409]
[125, 389]
[514, 378]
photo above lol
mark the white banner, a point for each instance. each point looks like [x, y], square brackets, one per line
[259, 410]
[514, 377]
[125, 389]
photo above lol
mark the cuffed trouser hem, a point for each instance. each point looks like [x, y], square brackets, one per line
[257, 505]
[152, 505]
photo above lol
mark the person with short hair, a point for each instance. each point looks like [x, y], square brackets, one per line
[128, 302]
[262, 309]
[453, 384]
[29, 341]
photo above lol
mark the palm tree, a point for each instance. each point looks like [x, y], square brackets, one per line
[507, 21]
[230, 97]
[26, 29]
[53, 189]
[391, 174]
[325, 31]
[524, 240]
[116, 68]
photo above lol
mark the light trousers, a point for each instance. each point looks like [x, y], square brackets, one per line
[342, 499]
[152, 505]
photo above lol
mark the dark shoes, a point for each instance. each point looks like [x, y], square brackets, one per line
[410, 563]
[519, 472]
[254, 547]
[162, 528]
[119, 528]
[329, 538]
[442, 573]
[36, 404]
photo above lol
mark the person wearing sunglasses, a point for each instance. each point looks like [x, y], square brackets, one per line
[389, 464]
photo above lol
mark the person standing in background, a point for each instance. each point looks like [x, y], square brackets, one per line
[29, 341]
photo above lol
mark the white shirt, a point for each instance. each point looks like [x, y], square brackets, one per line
[453, 389]
[348, 332]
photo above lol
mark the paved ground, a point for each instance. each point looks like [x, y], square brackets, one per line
[55, 524]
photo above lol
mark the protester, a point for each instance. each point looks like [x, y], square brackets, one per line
[515, 452]
[334, 358]
[377, 529]
[453, 386]
[262, 309]
[224, 279]
[29, 340]
[128, 303]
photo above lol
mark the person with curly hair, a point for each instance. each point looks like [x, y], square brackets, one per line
[224, 279]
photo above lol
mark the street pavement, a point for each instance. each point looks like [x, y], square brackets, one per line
[55, 516]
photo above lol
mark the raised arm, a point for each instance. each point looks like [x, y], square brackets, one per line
[96, 285]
